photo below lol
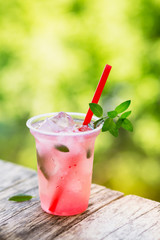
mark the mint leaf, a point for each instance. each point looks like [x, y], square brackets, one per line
[112, 114]
[114, 132]
[113, 128]
[42, 167]
[126, 124]
[20, 198]
[107, 124]
[62, 148]
[96, 109]
[125, 115]
[89, 153]
[123, 106]
[119, 123]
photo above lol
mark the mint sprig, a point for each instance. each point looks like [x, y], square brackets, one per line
[113, 120]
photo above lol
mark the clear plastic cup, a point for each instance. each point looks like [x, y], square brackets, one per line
[64, 162]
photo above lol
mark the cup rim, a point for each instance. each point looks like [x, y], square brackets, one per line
[32, 119]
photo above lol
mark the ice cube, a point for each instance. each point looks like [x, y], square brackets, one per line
[55, 166]
[63, 120]
[74, 185]
[49, 126]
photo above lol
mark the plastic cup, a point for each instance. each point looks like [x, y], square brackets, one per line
[64, 164]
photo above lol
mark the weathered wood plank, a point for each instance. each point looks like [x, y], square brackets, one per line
[10, 209]
[145, 226]
[130, 217]
[33, 223]
[109, 215]
[26, 220]
[12, 174]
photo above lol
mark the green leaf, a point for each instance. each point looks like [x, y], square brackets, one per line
[123, 106]
[109, 125]
[113, 129]
[96, 109]
[119, 123]
[112, 114]
[42, 167]
[106, 125]
[20, 198]
[125, 115]
[89, 153]
[62, 148]
[126, 124]
[114, 132]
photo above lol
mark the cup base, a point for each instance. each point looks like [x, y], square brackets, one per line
[64, 214]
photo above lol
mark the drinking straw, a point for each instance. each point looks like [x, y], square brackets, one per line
[98, 92]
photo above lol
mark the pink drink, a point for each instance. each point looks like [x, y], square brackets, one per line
[65, 161]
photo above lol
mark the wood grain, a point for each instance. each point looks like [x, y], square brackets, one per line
[109, 216]
[10, 174]
[125, 218]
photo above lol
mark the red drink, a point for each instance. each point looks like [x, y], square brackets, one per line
[65, 160]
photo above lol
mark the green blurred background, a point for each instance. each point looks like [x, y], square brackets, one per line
[52, 54]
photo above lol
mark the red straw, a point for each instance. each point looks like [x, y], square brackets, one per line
[98, 92]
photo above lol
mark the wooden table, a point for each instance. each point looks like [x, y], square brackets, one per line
[110, 214]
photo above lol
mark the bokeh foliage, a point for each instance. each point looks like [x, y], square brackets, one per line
[52, 54]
